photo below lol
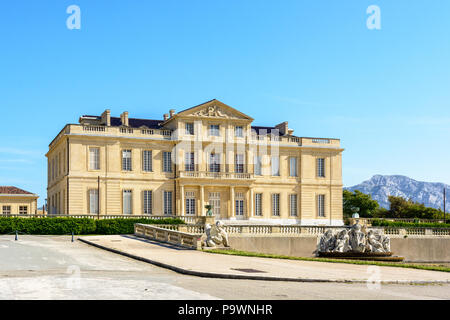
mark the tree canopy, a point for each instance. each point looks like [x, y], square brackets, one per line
[367, 206]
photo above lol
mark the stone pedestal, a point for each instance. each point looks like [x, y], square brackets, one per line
[205, 220]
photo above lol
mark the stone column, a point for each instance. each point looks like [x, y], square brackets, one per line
[202, 211]
[233, 213]
[182, 204]
[250, 204]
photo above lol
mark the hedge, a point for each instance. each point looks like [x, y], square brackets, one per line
[386, 223]
[61, 226]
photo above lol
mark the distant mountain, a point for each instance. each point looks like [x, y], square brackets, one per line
[380, 187]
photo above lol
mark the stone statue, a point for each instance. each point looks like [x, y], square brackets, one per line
[357, 239]
[216, 235]
[342, 242]
[373, 243]
[327, 241]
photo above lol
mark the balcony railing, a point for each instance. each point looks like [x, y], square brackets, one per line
[216, 175]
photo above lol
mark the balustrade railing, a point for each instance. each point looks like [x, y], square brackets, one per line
[215, 175]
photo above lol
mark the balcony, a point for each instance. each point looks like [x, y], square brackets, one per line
[216, 175]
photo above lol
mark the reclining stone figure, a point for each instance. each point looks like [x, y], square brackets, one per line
[216, 235]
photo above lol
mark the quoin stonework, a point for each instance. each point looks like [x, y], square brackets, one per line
[207, 154]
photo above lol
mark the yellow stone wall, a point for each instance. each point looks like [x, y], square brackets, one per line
[71, 150]
[15, 201]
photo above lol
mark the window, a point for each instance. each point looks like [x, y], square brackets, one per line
[239, 163]
[321, 167]
[93, 201]
[293, 205]
[258, 166]
[127, 207]
[168, 202]
[167, 161]
[258, 204]
[57, 164]
[214, 130]
[239, 204]
[6, 210]
[293, 166]
[147, 164]
[190, 128]
[275, 166]
[189, 164]
[148, 196]
[126, 160]
[214, 200]
[214, 162]
[94, 159]
[239, 131]
[321, 205]
[276, 204]
[190, 203]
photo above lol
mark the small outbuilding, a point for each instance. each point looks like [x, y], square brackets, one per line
[15, 201]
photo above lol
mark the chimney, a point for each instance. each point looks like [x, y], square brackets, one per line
[283, 128]
[290, 132]
[106, 118]
[166, 116]
[124, 118]
[172, 112]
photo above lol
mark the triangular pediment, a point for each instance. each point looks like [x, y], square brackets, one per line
[214, 109]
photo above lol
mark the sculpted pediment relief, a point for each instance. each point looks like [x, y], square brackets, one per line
[215, 109]
[213, 112]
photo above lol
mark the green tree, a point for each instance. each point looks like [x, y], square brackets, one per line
[367, 206]
[402, 208]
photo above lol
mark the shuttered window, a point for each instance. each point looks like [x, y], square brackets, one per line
[276, 204]
[126, 160]
[147, 164]
[293, 205]
[168, 202]
[94, 159]
[167, 161]
[127, 202]
[93, 201]
[321, 205]
[148, 197]
[258, 204]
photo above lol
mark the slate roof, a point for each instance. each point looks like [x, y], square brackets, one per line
[265, 130]
[133, 122]
[12, 190]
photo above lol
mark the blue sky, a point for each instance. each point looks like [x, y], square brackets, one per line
[385, 93]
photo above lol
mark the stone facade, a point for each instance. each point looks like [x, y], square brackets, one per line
[113, 166]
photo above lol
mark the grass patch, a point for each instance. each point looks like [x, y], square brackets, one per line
[362, 262]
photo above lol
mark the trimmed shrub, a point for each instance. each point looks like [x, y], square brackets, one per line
[61, 226]
[126, 226]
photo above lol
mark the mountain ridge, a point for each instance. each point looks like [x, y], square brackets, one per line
[382, 186]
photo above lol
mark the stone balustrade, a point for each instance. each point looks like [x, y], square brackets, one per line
[174, 234]
[296, 230]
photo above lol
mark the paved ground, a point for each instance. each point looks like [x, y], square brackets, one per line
[42, 267]
[238, 266]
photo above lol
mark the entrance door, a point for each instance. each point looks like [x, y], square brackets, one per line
[214, 200]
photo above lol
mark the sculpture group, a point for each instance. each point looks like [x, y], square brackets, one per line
[216, 235]
[357, 239]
